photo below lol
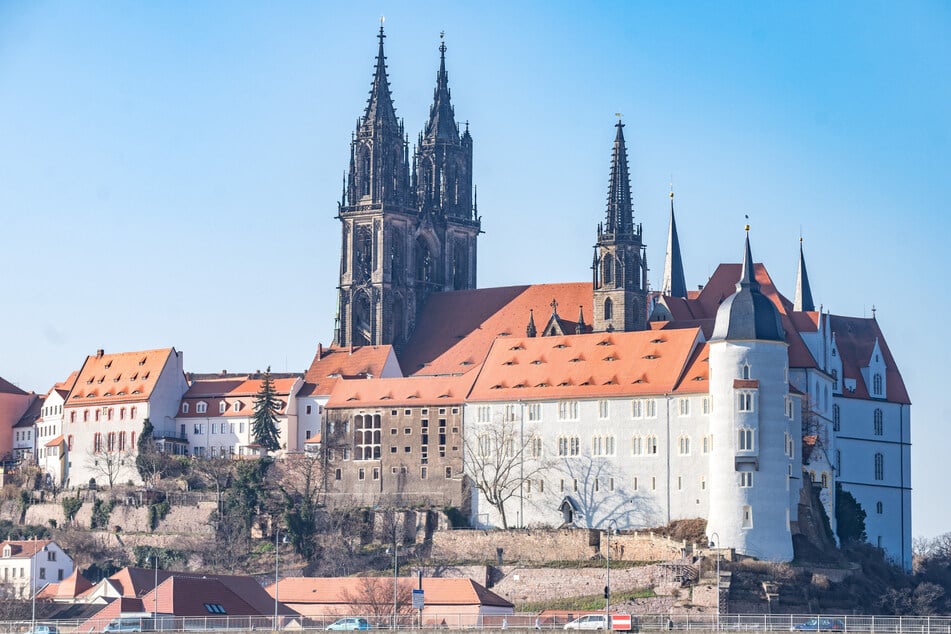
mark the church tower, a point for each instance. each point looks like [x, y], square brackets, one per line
[405, 233]
[620, 261]
[447, 229]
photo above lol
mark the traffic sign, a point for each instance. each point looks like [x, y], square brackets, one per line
[621, 622]
[417, 599]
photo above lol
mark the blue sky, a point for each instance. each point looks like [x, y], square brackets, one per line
[169, 171]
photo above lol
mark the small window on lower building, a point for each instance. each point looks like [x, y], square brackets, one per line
[878, 508]
[423, 472]
[747, 517]
[448, 472]
[338, 474]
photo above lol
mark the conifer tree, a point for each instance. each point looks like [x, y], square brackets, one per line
[264, 421]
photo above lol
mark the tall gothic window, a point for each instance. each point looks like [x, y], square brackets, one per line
[878, 427]
[608, 309]
[835, 418]
[879, 466]
[877, 385]
[607, 269]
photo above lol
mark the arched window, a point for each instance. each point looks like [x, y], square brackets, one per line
[877, 424]
[877, 385]
[683, 445]
[121, 441]
[222, 406]
[111, 441]
[85, 415]
[651, 445]
[637, 447]
[202, 407]
[878, 508]
[96, 414]
[122, 413]
[835, 418]
[132, 413]
[607, 269]
[746, 371]
[879, 466]
[825, 480]
[608, 309]
[72, 417]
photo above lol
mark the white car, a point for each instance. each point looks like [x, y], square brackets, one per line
[589, 622]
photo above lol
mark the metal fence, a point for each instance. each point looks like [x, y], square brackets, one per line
[518, 621]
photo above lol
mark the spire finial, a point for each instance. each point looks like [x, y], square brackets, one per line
[442, 44]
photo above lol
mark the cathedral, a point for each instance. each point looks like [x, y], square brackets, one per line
[588, 404]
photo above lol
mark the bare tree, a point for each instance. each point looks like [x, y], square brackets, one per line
[112, 465]
[214, 472]
[301, 482]
[498, 457]
[374, 597]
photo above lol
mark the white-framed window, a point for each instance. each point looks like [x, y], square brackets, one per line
[745, 439]
[634, 483]
[706, 404]
[878, 425]
[835, 379]
[609, 447]
[653, 483]
[651, 445]
[685, 407]
[703, 483]
[746, 371]
[567, 410]
[637, 408]
[367, 433]
[603, 410]
[877, 384]
[483, 414]
[707, 443]
[746, 479]
[680, 483]
[535, 446]
[184, 408]
[484, 444]
[879, 508]
[574, 446]
[650, 408]
[222, 407]
[744, 401]
[683, 445]
[508, 412]
[637, 446]
[879, 466]
[562, 445]
[534, 411]
[201, 407]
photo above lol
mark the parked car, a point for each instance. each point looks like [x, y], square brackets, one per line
[43, 629]
[589, 622]
[349, 623]
[820, 625]
[124, 625]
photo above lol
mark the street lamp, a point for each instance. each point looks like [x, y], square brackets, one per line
[716, 544]
[33, 584]
[277, 569]
[607, 588]
[155, 587]
[395, 570]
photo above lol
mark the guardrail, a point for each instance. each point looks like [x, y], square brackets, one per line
[518, 621]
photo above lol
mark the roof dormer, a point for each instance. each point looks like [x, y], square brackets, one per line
[874, 373]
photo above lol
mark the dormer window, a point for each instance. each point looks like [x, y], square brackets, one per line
[877, 383]
[201, 407]
[222, 406]
[7, 551]
[746, 371]
[237, 406]
[184, 408]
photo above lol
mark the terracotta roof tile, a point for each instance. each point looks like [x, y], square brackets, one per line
[332, 364]
[597, 364]
[120, 377]
[24, 548]
[9, 388]
[438, 591]
[455, 329]
[231, 390]
[443, 390]
[855, 339]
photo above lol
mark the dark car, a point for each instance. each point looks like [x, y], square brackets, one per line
[820, 625]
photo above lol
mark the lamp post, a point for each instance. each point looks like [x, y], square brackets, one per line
[607, 588]
[33, 584]
[277, 568]
[395, 570]
[155, 587]
[716, 544]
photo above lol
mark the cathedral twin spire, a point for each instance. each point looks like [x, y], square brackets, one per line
[620, 216]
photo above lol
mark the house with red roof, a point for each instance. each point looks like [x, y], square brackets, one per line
[107, 405]
[215, 414]
[29, 565]
[14, 403]
[447, 602]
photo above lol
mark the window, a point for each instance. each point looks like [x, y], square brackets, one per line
[747, 517]
[877, 385]
[684, 407]
[744, 402]
[634, 483]
[534, 411]
[214, 428]
[562, 446]
[201, 407]
[650, 408]
[484, 444]
[835, 379]
[609, 446]
[535, 444]
[707, 444]
[184, 408]
[683, 445]
[879, 466]
[121, 441]
[637, 446]
[597, 446]
[97, 442]
[653, 483]
[608, 304]
[366, 436]
[746, 371]
[574, 446]
[703, 483]
[448, 473]
[603, 410]
[637, 409]
[568, 410]
[508, 412]
[222, 406]
[651, 445]
[483, 414]
[706, 404]
[835, 418]
[308, 409]
[824, 480]
[361, 474]
[132, 413]
[878, 508]
[746, 479]
[745, 440]
[878, 426]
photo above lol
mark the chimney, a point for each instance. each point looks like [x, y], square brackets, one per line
[99, 353]
[320, 351]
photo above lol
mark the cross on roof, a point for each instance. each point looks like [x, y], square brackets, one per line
[554, 306]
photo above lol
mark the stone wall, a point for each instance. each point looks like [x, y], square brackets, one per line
[525, 546]
[181, 520]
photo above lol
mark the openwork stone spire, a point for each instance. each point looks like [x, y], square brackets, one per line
[620, 216]
[380, 110]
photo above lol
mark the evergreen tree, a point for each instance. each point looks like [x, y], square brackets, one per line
[849, 517]
[149, 461]
[264, 421]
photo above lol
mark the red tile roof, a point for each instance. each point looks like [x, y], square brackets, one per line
[597, 364]
[332, 364]
[455, 329]
[231, 390]
[336, 590]
[855, 339]
[69, 588]
[696, 378]
[120, 377]
[444, 390]
[55, 442]
[24, 548]
[9, 388]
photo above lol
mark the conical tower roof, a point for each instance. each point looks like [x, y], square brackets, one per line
[620, 216]
[803, 301]
[442, 120]
[380, 110]
[673, 283]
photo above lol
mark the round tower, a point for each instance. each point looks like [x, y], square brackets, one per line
[752, 436]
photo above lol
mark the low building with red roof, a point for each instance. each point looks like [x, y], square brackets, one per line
[14, 403]
[29, 565]
[447, 602]
[215, 414]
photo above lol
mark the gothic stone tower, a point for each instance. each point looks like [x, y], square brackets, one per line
[403, 239]
[620, 260]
